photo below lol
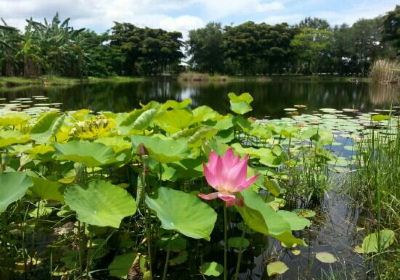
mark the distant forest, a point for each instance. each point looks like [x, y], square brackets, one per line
[309, 47]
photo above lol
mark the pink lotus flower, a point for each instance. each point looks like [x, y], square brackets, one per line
[228, 175]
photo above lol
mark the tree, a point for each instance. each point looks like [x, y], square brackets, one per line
[311, 47]
[147, 51]
[391, 28]
[10, 39]
[315, 23]
[205, 48]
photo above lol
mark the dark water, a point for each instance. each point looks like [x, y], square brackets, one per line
[270, 98]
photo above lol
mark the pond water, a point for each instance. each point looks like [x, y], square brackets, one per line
[270, 98]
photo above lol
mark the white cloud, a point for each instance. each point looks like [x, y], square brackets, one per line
[183, 15]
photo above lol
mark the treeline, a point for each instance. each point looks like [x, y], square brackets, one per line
[56, 48]
[312, 46]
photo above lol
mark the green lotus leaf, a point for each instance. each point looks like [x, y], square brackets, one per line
[90, 154]
[13, 187]
[183, 212]
[117, 143]
[46, 126]
[14, 119]
[121, 264]
[162, 149]
[11, 137]
[174, 120]
[296, 222]
[101, 204]
[240, 104]
[378, 240]
[47, 189]
[238, 242]
[211, 269]
[173, 104]
[261, 217]
[325, 257]
[276, 268]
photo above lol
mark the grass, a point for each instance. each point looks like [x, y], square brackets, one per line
[203, 77]
[61, 81]
[376, 186]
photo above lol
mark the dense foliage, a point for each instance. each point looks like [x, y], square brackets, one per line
[312, 46]
[90, 195]
[55, 48]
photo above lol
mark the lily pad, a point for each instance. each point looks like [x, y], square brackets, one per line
[276, 268]
[326, 257]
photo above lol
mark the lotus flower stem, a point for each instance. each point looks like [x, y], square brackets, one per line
[225, 243]
[239, 259]
[166, 259]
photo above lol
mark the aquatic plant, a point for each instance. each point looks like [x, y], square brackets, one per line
[112, 193]
[228, 175]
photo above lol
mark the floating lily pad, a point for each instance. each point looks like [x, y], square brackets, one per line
[326, 257]
[276, 268]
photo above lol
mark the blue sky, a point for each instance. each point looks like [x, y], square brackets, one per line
[184, 15]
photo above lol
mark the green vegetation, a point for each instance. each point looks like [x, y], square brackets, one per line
[100, 195]
[61, 81]
[54, 48]
[376, 187]
[311, 47]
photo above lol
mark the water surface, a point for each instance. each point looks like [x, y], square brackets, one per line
[270, 98]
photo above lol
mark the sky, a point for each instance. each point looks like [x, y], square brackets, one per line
[184, 15]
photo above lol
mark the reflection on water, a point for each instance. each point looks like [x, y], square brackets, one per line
[270, 98]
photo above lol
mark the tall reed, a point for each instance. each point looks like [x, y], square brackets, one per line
[384, 71]
[376, 187]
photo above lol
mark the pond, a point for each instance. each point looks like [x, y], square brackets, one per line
[270, 97]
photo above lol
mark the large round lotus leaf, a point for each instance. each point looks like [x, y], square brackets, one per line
[163, 149]
[89, 153]
[13, 186]
[101, 204]
[183, 212]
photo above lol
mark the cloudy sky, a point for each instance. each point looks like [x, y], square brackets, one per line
[184, 15]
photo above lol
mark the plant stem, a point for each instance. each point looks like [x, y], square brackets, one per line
[166, 260]
[225, 243]
[239, 259]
